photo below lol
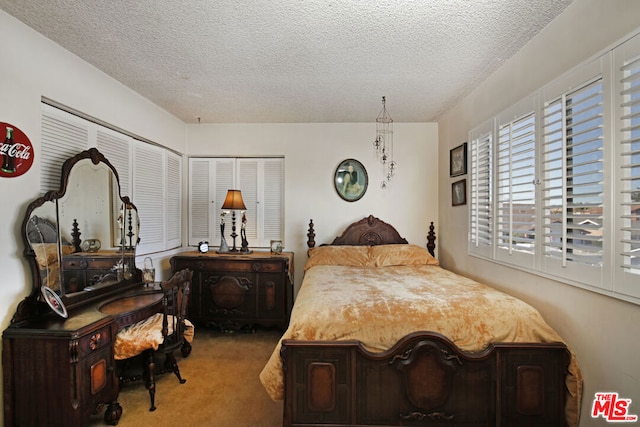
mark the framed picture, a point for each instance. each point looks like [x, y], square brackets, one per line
[276, 246]
[350, 180]
[459, 193]
[458, 160]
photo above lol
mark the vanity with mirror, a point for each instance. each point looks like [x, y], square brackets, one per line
[80, 242]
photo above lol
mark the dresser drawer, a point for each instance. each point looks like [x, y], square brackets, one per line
[75, 264]
[239, 266]
[82, 263]
[94, 341]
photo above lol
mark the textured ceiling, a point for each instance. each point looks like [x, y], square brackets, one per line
[293, 61]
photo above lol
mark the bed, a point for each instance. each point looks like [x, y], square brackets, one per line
[381, 335]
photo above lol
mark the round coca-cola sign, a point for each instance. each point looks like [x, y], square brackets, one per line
[16, 151]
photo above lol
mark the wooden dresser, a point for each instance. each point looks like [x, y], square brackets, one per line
[60, 372]
[236, 291]
[63, 371]
[82, 269]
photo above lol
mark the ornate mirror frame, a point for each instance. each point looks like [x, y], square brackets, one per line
[34, 304]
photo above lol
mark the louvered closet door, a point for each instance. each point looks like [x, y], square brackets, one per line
[272, 225]
[261, 181]
[173, 185]
[209, 180]
[223, 171]
[149, 196]
[62, 137]
[116, 148]
[248, 182]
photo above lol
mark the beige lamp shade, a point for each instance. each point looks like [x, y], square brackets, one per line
[234, 201]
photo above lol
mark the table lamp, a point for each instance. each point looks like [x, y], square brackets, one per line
[233, 202]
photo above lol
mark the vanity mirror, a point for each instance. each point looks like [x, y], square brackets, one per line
[80, 240]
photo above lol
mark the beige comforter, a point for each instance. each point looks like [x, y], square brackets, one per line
[389, 292]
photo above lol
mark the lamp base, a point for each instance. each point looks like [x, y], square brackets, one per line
[224, 247]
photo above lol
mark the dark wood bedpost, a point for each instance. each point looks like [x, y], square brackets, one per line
[311, 235]
[431, 240]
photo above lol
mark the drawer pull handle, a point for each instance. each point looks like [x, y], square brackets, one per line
[95, 341]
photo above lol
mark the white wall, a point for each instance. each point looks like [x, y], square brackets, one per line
[33, 67]
[313, 151]
[602, 331]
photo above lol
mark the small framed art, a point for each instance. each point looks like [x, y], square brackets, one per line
[458, 160]
[276, 247]
[459, 193]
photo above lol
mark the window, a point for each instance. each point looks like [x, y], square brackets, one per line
[139, 165]
[566, 185]
[261, 181]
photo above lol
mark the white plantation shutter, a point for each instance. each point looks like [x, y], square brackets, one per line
[578, 164]
[174, 201]
[627, 77]
[481, 194]
[515, 188]
[148, 196]
[63, 136]
[573, 165]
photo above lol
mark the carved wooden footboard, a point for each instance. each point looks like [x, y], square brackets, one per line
[424, 380]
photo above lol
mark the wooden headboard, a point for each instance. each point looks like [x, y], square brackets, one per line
[371, 231]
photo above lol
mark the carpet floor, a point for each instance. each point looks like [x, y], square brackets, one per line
[222, 388]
